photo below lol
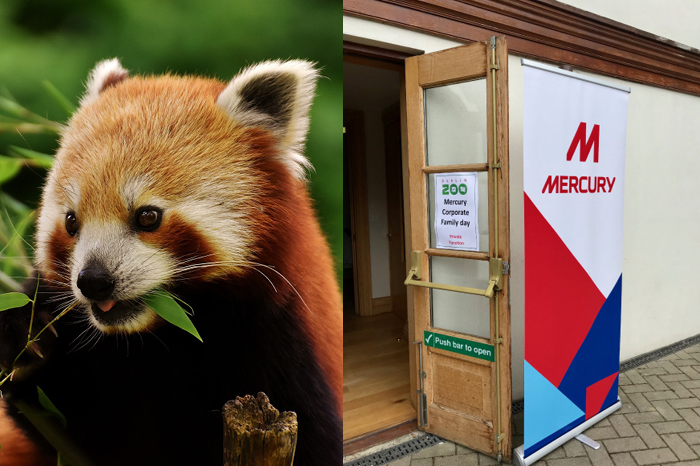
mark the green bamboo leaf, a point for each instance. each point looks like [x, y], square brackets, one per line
[5, 92]
[14, 234]
[13, 300]
[9, 168]
[165, 306]
[16, 110]
[50, 407]
[14, 206]
[60, 99]
[43, 160]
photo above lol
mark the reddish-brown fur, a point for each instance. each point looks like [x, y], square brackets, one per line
[16, 449]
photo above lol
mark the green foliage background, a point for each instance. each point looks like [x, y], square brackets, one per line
[60, 41]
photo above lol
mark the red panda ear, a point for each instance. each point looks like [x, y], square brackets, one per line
[106, 73]
[275, 95]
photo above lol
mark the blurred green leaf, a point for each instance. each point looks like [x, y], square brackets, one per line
[42, 160]
[165, 306]
[9, 168]
[13, 237]
[50, 407]
[13, 300]
[15, 109]
[60, 99]
[13, 205]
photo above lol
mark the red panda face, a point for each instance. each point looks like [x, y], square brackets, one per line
[159, 181]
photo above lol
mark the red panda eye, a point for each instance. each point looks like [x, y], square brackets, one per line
[71, 223]
[148, 218]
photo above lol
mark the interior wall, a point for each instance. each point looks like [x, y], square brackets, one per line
[372, 90]
[376, 194]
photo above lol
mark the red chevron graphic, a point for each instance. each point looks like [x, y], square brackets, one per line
[561, 300]
[596, 394]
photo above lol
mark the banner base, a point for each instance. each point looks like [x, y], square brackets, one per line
[519, 453]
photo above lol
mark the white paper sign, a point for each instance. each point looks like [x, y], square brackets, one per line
[456, 211]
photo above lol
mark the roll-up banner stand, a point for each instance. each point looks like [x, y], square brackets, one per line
[574, 132]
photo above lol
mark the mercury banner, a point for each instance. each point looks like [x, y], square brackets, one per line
[574, 132]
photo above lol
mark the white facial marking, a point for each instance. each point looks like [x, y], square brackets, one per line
[133, 189]
[136, 323]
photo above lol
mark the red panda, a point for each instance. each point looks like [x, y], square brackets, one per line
[194, 186]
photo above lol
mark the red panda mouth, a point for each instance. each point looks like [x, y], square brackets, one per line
[115, 313]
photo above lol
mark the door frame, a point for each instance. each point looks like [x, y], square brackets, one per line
[387, 58]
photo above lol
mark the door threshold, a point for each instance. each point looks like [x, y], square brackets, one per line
[365, 441]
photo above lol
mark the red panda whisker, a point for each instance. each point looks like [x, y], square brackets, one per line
[266, 278]
[254, 264]
[64, 282]
[80, 337]
[59, 297]
[285, 279]
[158, 338]
[9, 221]
[192, 259]
[94, 338]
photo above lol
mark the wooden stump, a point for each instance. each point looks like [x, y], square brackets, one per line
[256, 434]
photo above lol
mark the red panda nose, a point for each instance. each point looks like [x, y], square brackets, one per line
[95, 283]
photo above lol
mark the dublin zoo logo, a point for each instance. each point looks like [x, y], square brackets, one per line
[454, 189]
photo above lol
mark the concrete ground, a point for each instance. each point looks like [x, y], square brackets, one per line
[659, 423]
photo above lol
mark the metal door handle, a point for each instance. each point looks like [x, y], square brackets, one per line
[496, 272]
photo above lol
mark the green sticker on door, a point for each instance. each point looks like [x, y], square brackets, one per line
[458, 345]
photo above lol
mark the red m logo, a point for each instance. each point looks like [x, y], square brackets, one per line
[580, 138]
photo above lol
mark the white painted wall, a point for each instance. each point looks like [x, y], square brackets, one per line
[670, 19]
[372, 91]
[661, 247]
[376, 200]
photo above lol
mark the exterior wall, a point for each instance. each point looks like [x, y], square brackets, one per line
[651, 16]
[661, 228]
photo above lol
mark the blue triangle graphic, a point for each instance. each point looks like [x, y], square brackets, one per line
[547, 410]
[599, 355]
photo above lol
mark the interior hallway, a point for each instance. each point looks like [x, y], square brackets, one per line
[376, 391]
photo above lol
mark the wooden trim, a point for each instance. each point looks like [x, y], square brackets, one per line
[381, 305]
[376, 53]
[364, 442]
[412, 360]
[502, 105]
[373, 62]
[448, 66]
[550, 31]
[353, 122]
[476, 255]
[465, 167]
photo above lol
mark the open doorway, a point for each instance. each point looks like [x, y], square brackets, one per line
[376, 380]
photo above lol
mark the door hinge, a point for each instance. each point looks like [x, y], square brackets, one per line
[422, 399]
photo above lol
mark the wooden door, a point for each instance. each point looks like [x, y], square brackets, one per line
[457, 124]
